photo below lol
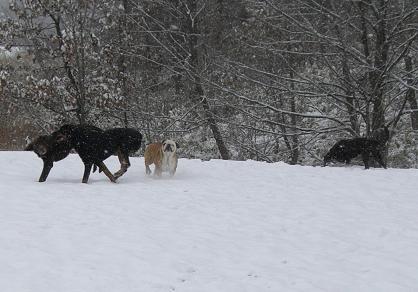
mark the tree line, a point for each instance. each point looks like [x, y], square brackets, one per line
[271, 80]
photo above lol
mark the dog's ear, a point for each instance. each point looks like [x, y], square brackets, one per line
[177, 145]
[29, 147]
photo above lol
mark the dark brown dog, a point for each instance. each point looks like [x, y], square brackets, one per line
[49, 150]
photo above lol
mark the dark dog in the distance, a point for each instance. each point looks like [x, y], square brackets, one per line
[50, 151]
[94, 145]
[347, 149]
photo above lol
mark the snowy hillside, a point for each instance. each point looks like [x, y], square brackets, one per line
[216, 226]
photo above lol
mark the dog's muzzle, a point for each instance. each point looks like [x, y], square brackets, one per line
[168, 148]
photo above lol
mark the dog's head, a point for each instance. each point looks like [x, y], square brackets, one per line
[47, 147]
[170, 146]
[40, 145]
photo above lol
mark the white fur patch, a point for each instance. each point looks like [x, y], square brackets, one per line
[169, 162]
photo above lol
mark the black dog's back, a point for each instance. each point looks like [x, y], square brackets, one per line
[94, 145]
[87, 140]
[347, 149]
[127, 140]
[123, 140]
[352, 147]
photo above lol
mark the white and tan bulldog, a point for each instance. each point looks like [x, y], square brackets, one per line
[163, 156]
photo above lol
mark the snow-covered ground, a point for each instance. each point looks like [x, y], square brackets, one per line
[217, 226]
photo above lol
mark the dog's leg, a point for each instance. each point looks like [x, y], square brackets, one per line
[147, 170]
[127, 160]
[106, 171]
[87, 170]
[365, 155]
[95, 168]
[378, 157]
[158, 168]
[148, 160]
[45, 171]
[147, 164]
[172, 171]
[124, 163]
[173, 168]
[121, 171]
[327, 158]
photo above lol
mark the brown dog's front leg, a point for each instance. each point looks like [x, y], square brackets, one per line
[147, 170]
[106, 171]
[158, 170]
[45, 171]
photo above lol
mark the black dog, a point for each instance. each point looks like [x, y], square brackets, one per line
[345, 150]
[49, 150]
[122, 141]
[94, 146]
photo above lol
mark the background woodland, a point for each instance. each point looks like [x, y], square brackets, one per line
[270, 80]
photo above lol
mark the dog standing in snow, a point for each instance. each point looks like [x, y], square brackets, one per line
[163, 156]
[347, 149]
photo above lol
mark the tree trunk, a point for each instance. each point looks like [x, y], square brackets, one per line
[377, 77]
[211, 121]
[410, 95]
[199, 95]
[414, 108]
[122, 63]
[349, 92]
[81, 64]
[293, 119]
[77, 88]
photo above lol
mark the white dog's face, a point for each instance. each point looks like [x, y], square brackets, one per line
[169, 146]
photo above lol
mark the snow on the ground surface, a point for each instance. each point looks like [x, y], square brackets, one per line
[216, 226]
